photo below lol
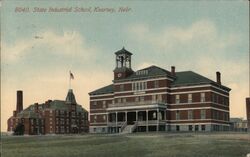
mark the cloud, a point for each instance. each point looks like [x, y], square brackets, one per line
[67, 43]
[145, 65]
[200, 34]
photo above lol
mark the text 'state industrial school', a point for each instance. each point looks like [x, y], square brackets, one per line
[155, 99]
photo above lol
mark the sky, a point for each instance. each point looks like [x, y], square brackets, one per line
[39, 48]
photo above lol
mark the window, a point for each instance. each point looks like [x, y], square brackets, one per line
[95, 118]
[94, 129]
[154, 115]
[203, 114]
[104, 117]
[189, 98]
[190, 127]
[95, 103]
[217, 114]
[159, 97]
[156, 84]
[142, 98]
[203, 127]
[145, 85]
[153, 97]
[202, 97]
[136, 99]
[140, 85]
[177, 115]
[119, 100]
[122, 87]
[104, 104]
[190, 114]
[213, 97]
[177, 99]
[137, 86]
[177, 128]
[103, 129]
[196, 127]
[124, 100]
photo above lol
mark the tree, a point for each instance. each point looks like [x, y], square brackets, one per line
[19, 130]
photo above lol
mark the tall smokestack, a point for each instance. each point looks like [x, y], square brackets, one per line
[248, 112]
[173, 70]
[19, 102]
[218, 77]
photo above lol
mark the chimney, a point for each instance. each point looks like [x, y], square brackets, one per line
[19, 103]
[248, 101]
[218, 77]
[36, 107]
[173, 70]
[14, 114]
[47, 103]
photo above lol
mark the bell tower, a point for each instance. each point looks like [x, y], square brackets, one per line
[123, 64]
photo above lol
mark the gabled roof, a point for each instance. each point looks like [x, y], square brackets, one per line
[189, 78]
[103, 90]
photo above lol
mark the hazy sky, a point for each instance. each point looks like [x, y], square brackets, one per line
[39, 49]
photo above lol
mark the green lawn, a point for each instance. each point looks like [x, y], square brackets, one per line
[140, 144]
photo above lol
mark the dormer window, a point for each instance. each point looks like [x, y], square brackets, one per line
[142, 72]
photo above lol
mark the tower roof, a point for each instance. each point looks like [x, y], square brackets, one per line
[70, 97]
[123, 51]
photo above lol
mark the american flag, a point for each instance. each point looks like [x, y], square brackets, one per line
[71, 75]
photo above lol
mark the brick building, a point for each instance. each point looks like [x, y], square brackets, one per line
[248, 112]
[155, 99]
[51, 117]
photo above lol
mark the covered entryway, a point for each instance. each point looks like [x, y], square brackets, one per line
[131, 118]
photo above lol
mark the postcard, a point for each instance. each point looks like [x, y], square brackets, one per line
[125, 78]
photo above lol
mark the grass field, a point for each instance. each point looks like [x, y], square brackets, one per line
[133, 145]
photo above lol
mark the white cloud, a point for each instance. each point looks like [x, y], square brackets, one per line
[201, 34]
[145, 65]
[67, 43]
